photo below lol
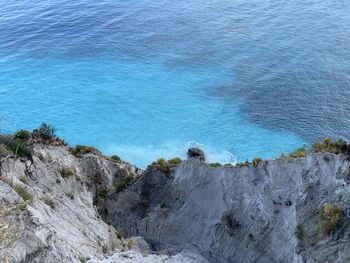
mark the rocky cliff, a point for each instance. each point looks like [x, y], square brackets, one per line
[292, 210]
[61, 207]
[47, 211]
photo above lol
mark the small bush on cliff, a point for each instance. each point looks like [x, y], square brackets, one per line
[125, 183]
[84, 259]
[23, 192]
[299, 232]
[81, 149]
[245, 164]
[166, 164]
[328, 145]
[15, 146]
[45, 131]
[22, 135]
[331, 216]
[162, 162]
[298, 153]
[215, 165]
[101, 197]
[115, 158]
[256, 161]
[3, 150]
[175, 161]
[67, 171]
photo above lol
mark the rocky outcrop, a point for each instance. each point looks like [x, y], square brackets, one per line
[268, 213]
[57, 207]
[196, 153]
[50, 216]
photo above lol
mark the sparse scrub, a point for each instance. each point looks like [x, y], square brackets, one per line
[67, 171]
[167, 164]
[26, 196]
[23, 192]
[50, 202]
[22, 135]
[175, 161]
[162, 162]
[24, 179]
[83, 259]
[15, 146]
[245, 164]
[115, 158]
[330, 146]
[101, 197]
[40, 157]
[130, 244]
[298, 153]
[45, 131]
[257, 161]
[79, 150]
[331, 216]
[125, 183]
[113, 245]
[142, 206]
[299, 232]
[215, 165]
[3, 150]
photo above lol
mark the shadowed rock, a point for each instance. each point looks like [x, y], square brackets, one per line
[196, 153]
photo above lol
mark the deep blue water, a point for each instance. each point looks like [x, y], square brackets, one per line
[146, 79]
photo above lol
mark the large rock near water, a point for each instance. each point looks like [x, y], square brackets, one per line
[196, 153]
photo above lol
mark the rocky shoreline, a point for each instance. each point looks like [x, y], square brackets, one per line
[77, 205]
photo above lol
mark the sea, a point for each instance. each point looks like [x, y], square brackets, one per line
[149, 79]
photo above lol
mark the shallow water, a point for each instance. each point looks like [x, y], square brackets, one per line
[148, 79]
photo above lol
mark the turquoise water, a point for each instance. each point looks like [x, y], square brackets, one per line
[148, 79]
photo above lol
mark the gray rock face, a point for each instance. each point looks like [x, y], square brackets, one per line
[279, 211]
[247, 214]
[61, 224]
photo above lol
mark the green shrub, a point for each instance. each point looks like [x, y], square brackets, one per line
[328, 145]
[15, 146]
[101, 197]
[175, 161]
[81, 149]
[115, 158]
[215, 165]
[256, 161]
[298, 153]
[142, 206]
[245, 164]
[167, 164]
[162, 162]
[46, 131]
[23, 179]
[121, 186]
[299, 232]
[125, 183]
[67, 171]
[22, 135]
[331, 216]
[23, 192]
[83, 259]
[3, 150]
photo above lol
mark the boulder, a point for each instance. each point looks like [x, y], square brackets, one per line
[196, 153]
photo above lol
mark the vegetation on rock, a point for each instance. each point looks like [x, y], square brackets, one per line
[66, 171]
[331, 217]
[125, 183]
